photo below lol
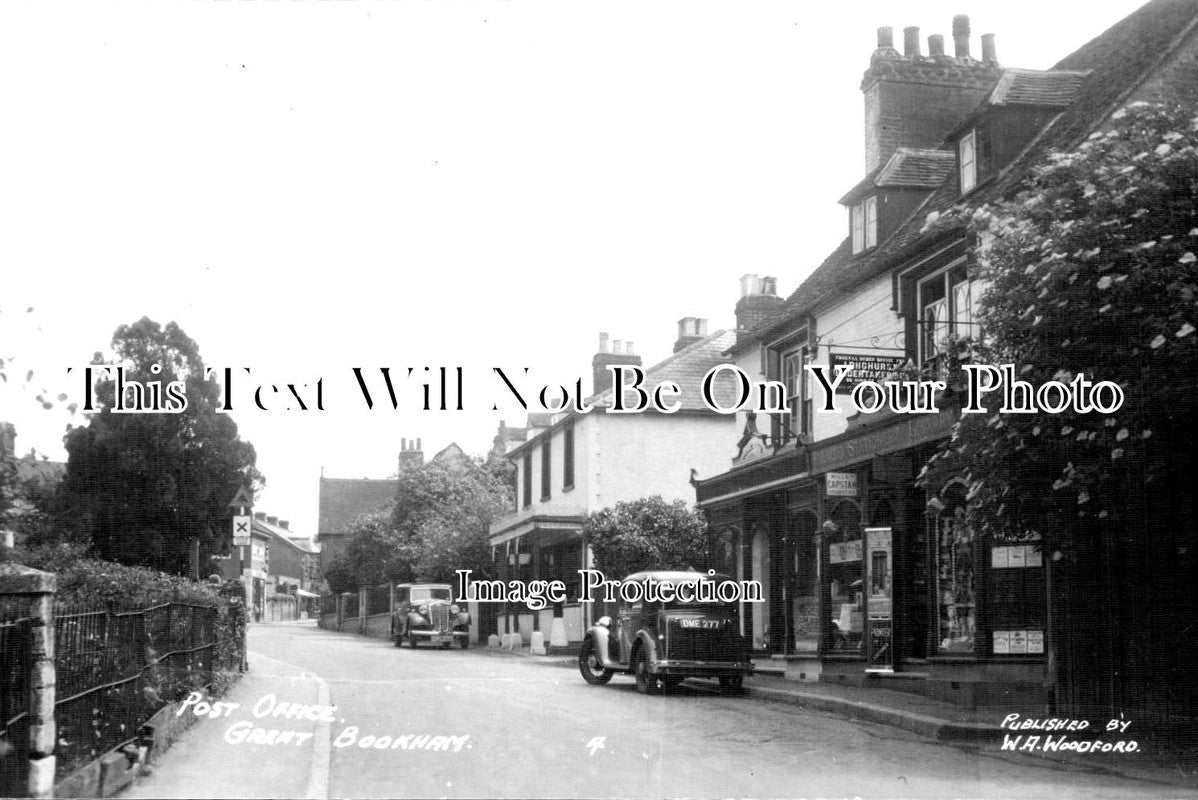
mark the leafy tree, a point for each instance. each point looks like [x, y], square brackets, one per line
[374, 553]
[141, 486]
[1091, 270]
[438, 524]
[648, 533]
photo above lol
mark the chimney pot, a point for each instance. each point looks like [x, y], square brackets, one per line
[603, 343]
[961, 35]
[936, 44]
[750, 285]
[769, 286]
[628, 348]
[259, 515]
[617, 347]
[989, 53]
[911, 42]
[271, 520]
[886, 38]
[284, 524]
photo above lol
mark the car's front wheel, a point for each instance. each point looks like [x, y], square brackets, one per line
[646, 682]
[588, 664]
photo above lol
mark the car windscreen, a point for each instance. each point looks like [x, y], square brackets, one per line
[429, 593]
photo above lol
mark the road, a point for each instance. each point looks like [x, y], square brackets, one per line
[540, 731]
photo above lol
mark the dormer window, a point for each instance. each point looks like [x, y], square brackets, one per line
[863, 219]
[967, 160]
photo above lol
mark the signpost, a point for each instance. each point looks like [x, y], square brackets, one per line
[242, 506]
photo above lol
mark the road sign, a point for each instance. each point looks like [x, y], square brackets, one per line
[243, 498]
[241, 530]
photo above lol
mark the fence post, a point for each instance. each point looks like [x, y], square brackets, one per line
[363, 599]
[40, 588]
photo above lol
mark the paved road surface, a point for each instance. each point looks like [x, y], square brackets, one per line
[535, 731]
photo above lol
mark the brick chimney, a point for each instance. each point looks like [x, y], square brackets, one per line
[614, 353]
[272, 520]
[913, 100]
[285, 524]
[759, 300]
[410, 454]
[690, 330]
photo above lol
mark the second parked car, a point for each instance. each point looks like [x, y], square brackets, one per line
[426, 613]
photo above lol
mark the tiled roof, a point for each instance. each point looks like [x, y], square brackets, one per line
[284, 535]
[920, 169]
[1025, 87]
[1116, 62]
[907, 168]
[687, 368]
[342, 500]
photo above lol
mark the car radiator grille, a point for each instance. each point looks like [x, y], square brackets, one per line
[439, 617]
[690, 644]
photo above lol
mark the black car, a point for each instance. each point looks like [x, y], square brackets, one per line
[668, 642]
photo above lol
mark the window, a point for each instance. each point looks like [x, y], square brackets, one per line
[857, 223]
[568, 457]
[794, 377]
[948, 303]
[871, 222]
[546, 461]
[968, 162]
[784, 364]
[863, 220]
[526, 469]
[956, 588]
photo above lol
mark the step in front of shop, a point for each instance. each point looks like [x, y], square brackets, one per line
[965, 692]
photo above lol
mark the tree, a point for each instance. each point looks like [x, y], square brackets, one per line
[141, 487]
[1091, 270]
[648, 533]
[438, 524]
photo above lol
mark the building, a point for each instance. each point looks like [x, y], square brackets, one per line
[284, 569]
[571, 464]
[343, 500]
[865, 573]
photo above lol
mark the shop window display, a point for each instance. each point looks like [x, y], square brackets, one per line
[956, 583]
[847, 589]
[803, 580]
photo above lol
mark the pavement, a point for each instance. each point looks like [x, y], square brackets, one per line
[488, 723]
[926, 716]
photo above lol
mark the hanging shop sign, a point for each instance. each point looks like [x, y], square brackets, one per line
[864, 368]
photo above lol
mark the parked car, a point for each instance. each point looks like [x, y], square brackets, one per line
[667, 641]
[426, 612]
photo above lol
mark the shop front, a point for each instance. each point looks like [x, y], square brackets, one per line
[911, 588]
[866, 575]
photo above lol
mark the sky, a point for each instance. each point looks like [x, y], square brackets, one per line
[309, 186]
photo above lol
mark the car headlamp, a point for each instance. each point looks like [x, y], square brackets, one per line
[423, 610]
[453, 608]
